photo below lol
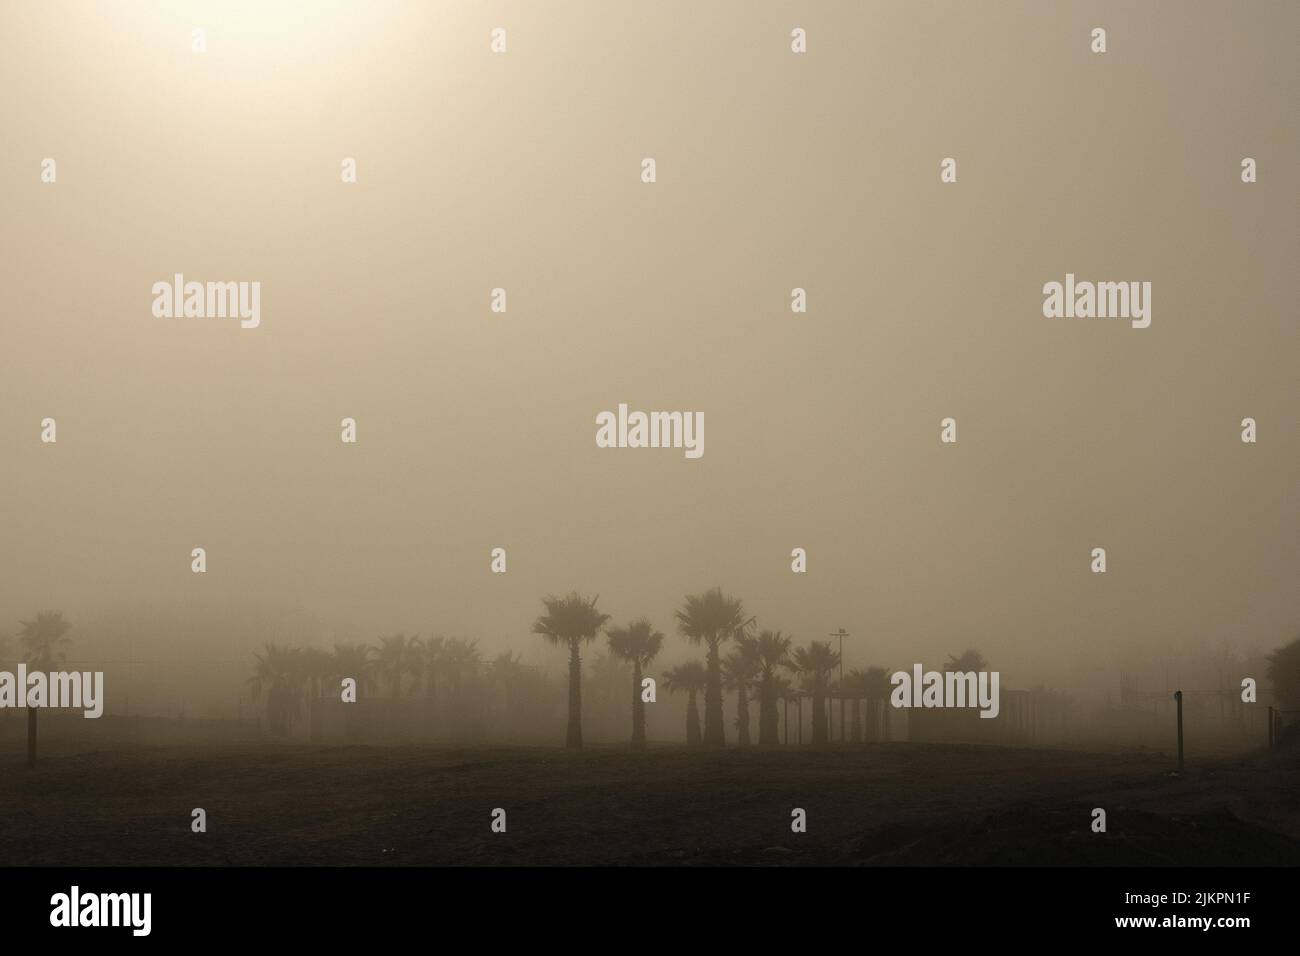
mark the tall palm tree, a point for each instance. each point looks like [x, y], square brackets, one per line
[569, 621]
[639, 644]
[783, 689]
[395, 656]
[710, 619]
[279, 675]
[691, 677]
[459, 659]
[431, 663]
[43, 641]
[316, 665]
[350, 660]
[739, 670]
[815, 664]
[773, 650]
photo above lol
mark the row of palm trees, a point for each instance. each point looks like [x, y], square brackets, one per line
[753, 668]
[424, 667]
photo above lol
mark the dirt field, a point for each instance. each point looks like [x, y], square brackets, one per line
[881, 804]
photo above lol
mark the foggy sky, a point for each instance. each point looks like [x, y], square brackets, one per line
[521, 170]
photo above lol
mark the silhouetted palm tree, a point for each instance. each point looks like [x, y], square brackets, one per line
[278, 674]
[315, 664]
[429, 665]
[569, 621]
[638, 643]
[350, 660]
[458, 660]
[739, 670]
[773, 650]
[968, 660]
[711, 618]
[691, 678]
[43, 641]
[395, 657]
[783, 689]
[815, 664]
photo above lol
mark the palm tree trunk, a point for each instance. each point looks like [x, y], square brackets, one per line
[742, 715]
[768, 719]
[31, 736]
[638, 709]
[714, 735]
[819, 717]
[692, 722]
[573, 739]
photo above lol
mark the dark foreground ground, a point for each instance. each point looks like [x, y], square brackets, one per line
[882, 804]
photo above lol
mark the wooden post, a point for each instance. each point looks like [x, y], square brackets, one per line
[31, 736]
[1271, 739]
[1178, 697]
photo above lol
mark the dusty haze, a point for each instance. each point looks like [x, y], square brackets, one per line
[476, 430]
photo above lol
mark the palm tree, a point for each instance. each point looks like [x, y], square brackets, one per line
[739, 669]
[783, 689]
[856, 685]
[968, 660]
[458, 659]
[639, 644]
[570, 621]
[43, 641]
[815, 663]
[315, 664]
[430, 665]
[350, 660]
[278, 673]
[691, 677]
[773, 651]
[711, 618]
[396, 654]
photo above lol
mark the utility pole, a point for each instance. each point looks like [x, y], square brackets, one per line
[841, 634]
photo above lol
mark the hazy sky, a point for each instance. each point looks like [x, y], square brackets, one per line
[522, 170]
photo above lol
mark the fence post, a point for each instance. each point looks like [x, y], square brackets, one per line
[1178, 696]
[1270, 725]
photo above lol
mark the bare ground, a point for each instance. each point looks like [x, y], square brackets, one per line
[879, 804]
